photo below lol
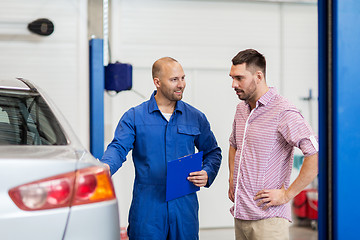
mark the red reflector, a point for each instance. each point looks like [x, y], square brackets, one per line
[59, 192]
[86, 186]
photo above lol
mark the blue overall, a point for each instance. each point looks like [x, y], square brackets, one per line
[154, 142]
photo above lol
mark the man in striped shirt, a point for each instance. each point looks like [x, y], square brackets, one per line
[266, 129]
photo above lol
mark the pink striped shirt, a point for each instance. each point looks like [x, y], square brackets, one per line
[264, 140]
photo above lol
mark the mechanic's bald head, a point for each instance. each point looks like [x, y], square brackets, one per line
[159, 64]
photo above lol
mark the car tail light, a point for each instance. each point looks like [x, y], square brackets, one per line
[84, 186]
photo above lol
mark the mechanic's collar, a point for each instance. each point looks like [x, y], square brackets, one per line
[179, 107]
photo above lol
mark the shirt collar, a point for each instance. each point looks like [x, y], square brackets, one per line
[265, 99]
[154, 107]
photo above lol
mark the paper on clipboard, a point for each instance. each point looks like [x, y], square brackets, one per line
[178, 170]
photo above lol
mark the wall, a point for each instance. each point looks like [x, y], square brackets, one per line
[203, 36]
[57, 63]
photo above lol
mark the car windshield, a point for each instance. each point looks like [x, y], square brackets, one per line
[26, 119]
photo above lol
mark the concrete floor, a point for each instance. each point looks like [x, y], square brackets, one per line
[296, 233]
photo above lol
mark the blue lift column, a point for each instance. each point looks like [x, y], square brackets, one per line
[347, 118]
[97, 85]
[339, 118]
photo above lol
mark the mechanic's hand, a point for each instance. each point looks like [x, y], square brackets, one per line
[199, 178]
[271, 197]
[107, 167]
[231, 190]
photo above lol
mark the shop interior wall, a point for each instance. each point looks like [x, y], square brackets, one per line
[204, 36]
[57, 63]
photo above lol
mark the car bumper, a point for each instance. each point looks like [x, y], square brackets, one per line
[94, 221]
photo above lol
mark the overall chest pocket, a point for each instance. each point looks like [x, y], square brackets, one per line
[186, 138]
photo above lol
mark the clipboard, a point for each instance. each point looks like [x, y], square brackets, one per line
[178, 170]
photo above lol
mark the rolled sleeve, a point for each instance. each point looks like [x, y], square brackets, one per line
[297, 132]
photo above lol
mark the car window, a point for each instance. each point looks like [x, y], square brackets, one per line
[4, 118]
[26, 119]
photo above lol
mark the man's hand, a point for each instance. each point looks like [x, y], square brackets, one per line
[199, 179]
[231, 190]
[107, 167]
[271, 197]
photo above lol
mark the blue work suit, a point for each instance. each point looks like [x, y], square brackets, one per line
[154, 141]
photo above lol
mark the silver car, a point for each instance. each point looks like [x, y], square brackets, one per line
[51, 187]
